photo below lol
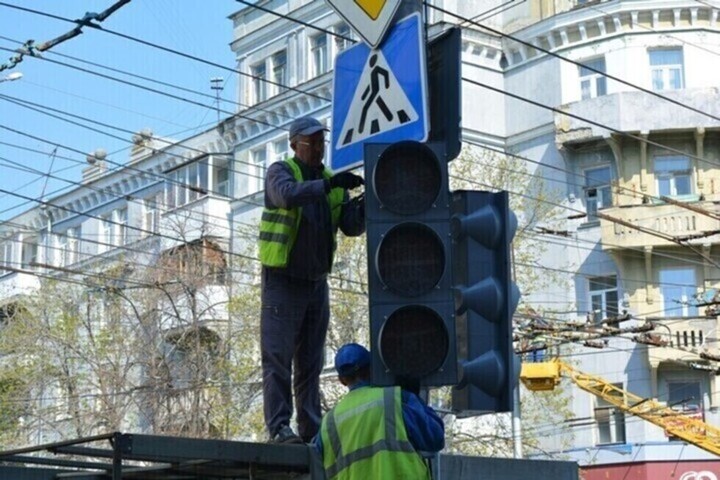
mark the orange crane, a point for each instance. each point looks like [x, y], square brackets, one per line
[543, 376]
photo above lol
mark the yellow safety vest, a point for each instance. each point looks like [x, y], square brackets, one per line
[279, 226]
[364, 437]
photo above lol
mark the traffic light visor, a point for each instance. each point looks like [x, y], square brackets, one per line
[407, 178]
[410, 259]
[414, 341]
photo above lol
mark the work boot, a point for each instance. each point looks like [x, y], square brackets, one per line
[285, 435]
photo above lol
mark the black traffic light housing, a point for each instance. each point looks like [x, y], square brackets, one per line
[407, 210]
[482, 228]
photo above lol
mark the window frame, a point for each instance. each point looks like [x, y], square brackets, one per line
[342, 29]
[187, 183]
[152, 205]
[256, 169]
[120, 219]
[258, 72]
[606, 309]
[68, 243]
[278, 153]
[615, 421]
[6, 256]
[665, 69]
[687, 291]
[281, 81]
[597, 83]
[603, 188]
[672, 176]
[33, 242]
[319, 54]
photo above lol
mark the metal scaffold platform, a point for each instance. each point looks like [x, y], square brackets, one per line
[129, 456]
[116, 456]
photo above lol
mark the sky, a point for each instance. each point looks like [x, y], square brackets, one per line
[196, 27]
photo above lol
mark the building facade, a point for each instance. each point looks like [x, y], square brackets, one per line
[612, 105]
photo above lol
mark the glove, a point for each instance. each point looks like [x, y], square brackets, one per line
[345, 180]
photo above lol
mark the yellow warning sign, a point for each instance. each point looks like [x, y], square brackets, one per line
[369, 18]
[371, 7]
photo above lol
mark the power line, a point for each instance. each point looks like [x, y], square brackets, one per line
[165, 49]
[565, 59]
[298, 21]
[159, 82]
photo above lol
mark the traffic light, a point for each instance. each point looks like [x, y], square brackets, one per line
[482, 228]
[407, 211]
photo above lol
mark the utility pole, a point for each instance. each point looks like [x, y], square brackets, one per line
[216, 83]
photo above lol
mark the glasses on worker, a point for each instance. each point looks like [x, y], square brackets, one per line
[315, 143]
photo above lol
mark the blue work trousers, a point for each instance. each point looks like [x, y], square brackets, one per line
[294, 322]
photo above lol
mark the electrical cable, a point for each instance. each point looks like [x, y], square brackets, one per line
[160, 47]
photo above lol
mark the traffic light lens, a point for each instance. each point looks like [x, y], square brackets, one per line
[414, 342]
[411, 259]
[407, 178]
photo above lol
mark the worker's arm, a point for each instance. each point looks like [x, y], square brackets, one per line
[283, 191]
[426, 431]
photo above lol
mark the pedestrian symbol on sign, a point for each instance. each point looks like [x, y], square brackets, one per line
[379, 103]
[380, 94]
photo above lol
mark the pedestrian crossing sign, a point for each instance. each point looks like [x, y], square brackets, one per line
[380, 95]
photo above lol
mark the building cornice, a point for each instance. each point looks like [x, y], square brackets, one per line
[606, 20]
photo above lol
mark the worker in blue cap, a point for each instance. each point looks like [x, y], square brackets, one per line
[305, 205]
[376, 432]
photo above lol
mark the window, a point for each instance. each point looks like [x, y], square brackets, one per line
[342, 30]
[280, 150]
[610, 420]
[279, 71]
[69, 246]
[603, 297]
[120, 217]
[6, 256]
[29, 252]
[187, 184]
[105, 239]
[597, 189]
[673, 175]
[257, 170]
[319, 54]
[592, 84]
[259, 85]
[685, 397]
[192, 180]
[221, 176]
[151, 214]
[678, 288]
[666, 69]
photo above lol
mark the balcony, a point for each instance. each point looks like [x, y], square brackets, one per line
[629, 112]
[664, 219]
[207, 216]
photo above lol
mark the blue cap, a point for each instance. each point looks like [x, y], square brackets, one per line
[351, 358]
[305, 126]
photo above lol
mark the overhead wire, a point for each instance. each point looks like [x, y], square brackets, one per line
[568, 60]
[163, 48]
[161, 82]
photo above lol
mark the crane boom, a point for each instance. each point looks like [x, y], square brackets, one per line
[546, 376]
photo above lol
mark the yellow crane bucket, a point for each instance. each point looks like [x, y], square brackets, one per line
[540, 376]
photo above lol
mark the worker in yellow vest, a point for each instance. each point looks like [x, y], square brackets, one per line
[376, 432]
[305, 205]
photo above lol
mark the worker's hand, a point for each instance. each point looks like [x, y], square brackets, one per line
[346, 180]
